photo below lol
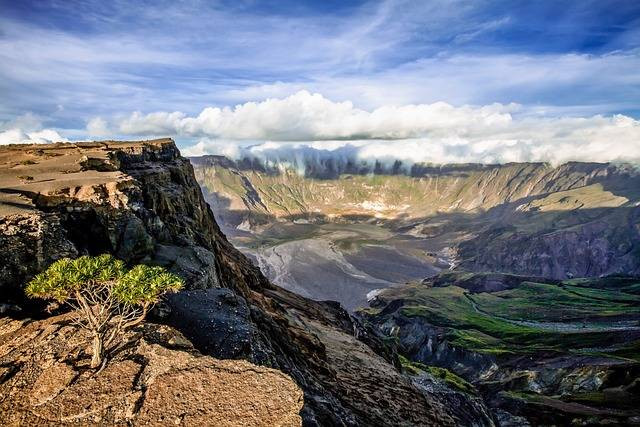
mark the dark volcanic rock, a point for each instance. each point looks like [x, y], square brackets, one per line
[218, 321]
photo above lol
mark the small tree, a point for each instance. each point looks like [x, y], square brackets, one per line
[109, 298]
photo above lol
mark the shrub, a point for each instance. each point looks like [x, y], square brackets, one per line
[108, 298]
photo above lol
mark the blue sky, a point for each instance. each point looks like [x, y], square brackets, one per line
[64, 63]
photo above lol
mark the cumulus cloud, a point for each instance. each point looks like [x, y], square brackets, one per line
[27, 129]
[305, 116]
[97, 127]
[433, 133]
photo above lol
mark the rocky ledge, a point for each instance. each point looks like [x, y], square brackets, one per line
[136, 200]
[140, 202]
[156, 378]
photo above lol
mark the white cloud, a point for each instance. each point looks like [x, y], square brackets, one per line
[27, 129]
[436, 133]
[18, 136]
[307, 125]
[304, 116]
[97, 127]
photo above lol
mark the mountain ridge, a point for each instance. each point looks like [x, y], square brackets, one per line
[526, 205]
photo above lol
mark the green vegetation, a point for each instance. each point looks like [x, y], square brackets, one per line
[109, 299]
[529, 318]
[449, 378]
[550, 303]
[629, 285]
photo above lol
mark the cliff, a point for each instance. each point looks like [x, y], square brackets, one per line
[140, 201]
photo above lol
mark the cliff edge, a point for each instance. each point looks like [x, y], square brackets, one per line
[140, 202]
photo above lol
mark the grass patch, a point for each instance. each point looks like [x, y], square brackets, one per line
[449, 378]
[553, 303]
[486, 322]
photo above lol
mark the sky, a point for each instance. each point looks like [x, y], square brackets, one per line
[433, 81]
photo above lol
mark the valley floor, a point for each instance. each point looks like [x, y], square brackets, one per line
[348, 263]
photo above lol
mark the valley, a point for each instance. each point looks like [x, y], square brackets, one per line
[341, 231]
[515, 284]
[341, 262]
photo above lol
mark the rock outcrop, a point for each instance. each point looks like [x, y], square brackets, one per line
[140, 201]
[155, 378]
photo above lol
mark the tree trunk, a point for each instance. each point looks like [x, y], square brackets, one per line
[98, 349]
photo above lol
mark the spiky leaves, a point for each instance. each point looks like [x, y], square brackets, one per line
[66, 276]
[145, 284]
[109, 298]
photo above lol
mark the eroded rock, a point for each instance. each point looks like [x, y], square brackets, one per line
[147, 382]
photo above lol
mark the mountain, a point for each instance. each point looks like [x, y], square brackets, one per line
[284, 191]
[140, 201]
[353, 233]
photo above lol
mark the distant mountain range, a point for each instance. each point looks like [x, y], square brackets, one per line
[573, 220]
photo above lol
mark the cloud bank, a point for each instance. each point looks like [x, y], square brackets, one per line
[27, 129]
[303, 124]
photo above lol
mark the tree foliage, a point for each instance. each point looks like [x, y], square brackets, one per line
[109, 298]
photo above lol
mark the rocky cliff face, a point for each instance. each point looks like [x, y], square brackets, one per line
[140, 201]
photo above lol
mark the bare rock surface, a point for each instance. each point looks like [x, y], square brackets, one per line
[45, 380]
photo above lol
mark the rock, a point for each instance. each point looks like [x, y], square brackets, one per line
[51, 382]
[145, 383]
[219, 322]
